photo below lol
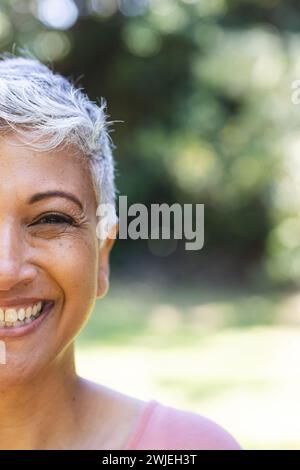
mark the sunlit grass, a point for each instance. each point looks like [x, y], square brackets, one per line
[233, 356]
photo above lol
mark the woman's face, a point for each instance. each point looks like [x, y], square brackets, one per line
[48, 251]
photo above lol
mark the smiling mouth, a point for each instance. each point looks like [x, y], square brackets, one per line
[11, 318]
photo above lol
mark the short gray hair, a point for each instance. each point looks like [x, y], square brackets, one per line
[35, 100]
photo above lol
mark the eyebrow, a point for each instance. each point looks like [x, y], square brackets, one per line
[45, 195]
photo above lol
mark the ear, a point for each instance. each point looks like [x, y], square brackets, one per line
[103, 265]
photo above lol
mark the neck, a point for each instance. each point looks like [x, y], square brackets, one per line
[40, 414]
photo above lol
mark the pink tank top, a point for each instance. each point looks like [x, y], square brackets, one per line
[162, 427]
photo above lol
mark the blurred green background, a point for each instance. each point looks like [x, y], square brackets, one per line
[202, 90]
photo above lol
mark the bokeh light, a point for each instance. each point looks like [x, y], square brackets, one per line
[133, 7]
[60, 14]
[104, 8]
[168, 16]
[141, 40]
[5, 29]
[51, 45]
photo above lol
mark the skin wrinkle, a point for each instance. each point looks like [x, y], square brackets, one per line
[42, 400]
[40, 196]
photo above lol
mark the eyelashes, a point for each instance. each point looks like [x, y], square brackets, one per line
[55, 219]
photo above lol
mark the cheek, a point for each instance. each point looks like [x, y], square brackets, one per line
[74, 270]
[68, 269]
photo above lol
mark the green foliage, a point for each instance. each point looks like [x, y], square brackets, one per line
[204, 92]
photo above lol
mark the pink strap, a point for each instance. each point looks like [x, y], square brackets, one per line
[141, 424]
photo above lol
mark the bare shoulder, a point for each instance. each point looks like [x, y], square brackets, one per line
[110, 415]
[190, 430]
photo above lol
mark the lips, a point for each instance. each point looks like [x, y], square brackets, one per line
[19, 302]
[15, 316]
[30, 323]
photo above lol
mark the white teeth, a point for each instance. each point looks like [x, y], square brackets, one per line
[21, 314]
[12, 317]
[28, 312]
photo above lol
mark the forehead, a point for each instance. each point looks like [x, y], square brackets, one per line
[26, 170]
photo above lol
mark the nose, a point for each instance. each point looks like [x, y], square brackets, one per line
[14, 269]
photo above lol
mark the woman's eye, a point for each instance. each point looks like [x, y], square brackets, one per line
[53, 219]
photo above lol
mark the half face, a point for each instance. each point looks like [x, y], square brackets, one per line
[50, 273]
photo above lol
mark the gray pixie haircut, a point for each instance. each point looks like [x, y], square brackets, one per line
[36, 101]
